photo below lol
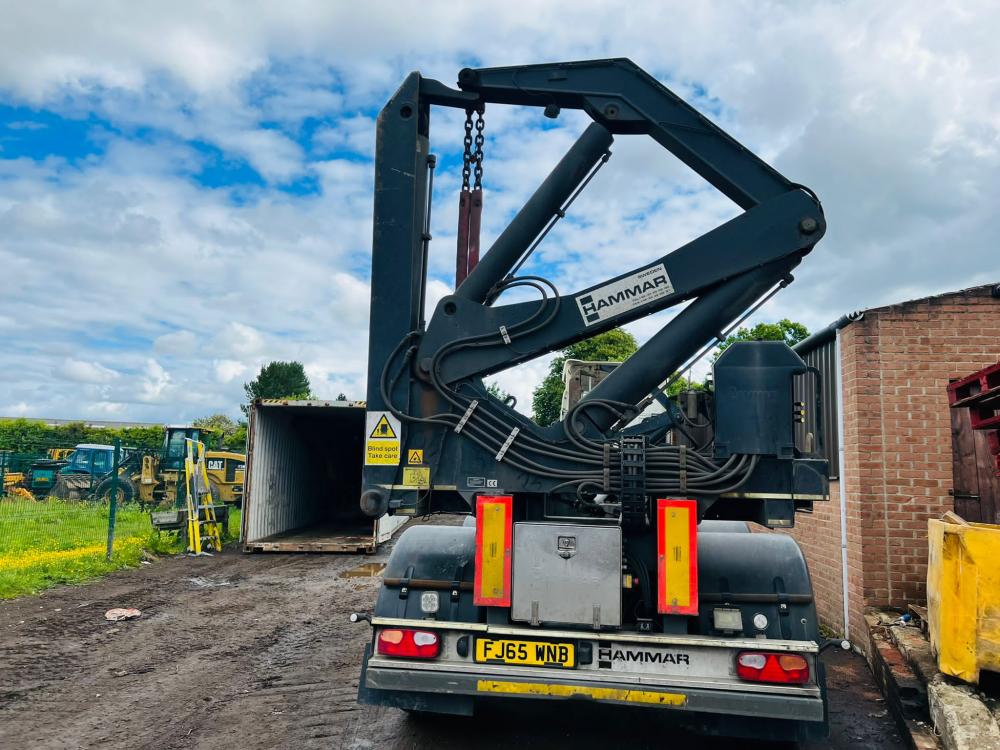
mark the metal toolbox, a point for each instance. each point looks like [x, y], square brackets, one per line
[567, 574]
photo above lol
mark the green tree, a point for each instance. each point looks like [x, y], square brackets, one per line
[784, 330]
[237, 441]
[220, 424]
[496, 391]
[683, 384]
[615, 345]
[277, 380]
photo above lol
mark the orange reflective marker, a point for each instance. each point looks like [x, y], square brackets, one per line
[677, 556]
[494, 514]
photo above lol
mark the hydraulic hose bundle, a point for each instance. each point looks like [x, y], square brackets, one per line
[588, 467]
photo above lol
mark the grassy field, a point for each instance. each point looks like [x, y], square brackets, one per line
[44, 543]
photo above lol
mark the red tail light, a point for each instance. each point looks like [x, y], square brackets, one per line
[410, 644]
[761, 666]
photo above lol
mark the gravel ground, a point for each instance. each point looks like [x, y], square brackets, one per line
[255, 651]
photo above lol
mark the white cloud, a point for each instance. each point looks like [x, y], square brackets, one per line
[127, 264]
[104, 408]
[239, 339]
[20, 409]
[85, 372]
[274, 155]
[227, 370]
[154, 384]
[178, 343]
[355, 133]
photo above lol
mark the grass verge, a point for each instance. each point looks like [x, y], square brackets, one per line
[45, 543]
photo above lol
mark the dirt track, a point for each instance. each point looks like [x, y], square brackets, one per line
[257, 652]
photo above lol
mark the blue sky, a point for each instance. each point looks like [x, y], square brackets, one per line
[185, 191]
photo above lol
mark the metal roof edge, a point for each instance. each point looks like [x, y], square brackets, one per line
[810, 343]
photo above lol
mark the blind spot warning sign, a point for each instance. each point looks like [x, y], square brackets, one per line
[382, 442]
[383, 429]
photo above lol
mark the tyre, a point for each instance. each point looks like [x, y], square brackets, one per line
[62, 490]
[126, 491]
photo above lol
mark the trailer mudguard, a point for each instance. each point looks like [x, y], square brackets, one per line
[431, 558]
[759, 574]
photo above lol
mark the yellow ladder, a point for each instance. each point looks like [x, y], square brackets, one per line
[203, 526]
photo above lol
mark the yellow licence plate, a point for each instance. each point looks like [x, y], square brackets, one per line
[526, 653]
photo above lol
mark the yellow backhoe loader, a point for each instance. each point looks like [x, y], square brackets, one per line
[151, 478]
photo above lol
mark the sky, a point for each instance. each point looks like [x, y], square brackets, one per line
[186, 187]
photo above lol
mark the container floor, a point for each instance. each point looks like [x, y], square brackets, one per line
[320, 538]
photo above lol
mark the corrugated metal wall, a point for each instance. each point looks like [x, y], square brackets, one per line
[278, 474]
[824, 359]
[304, 472]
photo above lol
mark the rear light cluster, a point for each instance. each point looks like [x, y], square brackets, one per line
[761, 666]
[407, 643]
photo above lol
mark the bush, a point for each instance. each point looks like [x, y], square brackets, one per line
[27, 436]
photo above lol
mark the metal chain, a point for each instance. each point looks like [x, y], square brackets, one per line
[478, 157]
[467, 155]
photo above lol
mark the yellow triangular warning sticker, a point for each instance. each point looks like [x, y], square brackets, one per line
[383, 430]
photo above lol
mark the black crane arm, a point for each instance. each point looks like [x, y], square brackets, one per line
[427, 374]
[625, 99]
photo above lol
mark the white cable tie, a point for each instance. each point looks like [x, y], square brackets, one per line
[465, 417]
[507, 442]
[506, 336]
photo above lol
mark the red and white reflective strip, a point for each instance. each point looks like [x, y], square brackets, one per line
[766, 666]
[408, 643]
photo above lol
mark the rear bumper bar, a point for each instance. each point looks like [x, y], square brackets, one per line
[763, 705]
[515, 683]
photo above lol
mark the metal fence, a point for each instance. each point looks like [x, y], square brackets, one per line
[47, 538]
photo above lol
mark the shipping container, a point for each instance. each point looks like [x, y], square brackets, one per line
[303, 480]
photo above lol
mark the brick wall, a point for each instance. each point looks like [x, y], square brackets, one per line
[895, 363]
[819, 536]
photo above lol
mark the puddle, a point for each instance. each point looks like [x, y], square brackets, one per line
[368, 570]
[206, 583]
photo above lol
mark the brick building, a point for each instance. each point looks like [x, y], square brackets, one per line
[888, 435]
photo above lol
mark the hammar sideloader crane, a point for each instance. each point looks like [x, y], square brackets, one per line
[601, 560]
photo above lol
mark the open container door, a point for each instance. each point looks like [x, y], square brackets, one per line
[303, 480]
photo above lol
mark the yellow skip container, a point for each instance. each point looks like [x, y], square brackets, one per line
[963, 596]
